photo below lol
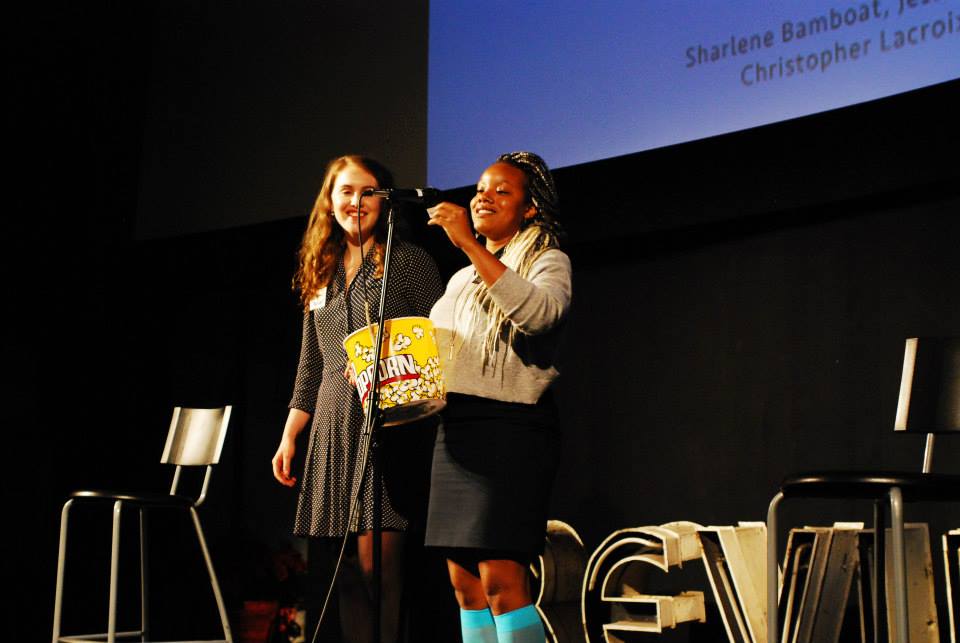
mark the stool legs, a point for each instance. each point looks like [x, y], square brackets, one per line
[773, 579]
[899, 569]
[114, 573]
[899, 565]
[111, 635]
[877, 589]
[227, 635]
[61, 564]
[143, 575]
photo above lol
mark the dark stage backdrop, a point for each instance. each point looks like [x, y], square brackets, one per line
[755, 288]
[247, 103]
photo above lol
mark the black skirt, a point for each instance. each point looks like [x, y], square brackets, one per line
[493, 467]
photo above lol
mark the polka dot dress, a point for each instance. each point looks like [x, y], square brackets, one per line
[321, 389]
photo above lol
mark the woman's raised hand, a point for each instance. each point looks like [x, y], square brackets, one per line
[455, 221]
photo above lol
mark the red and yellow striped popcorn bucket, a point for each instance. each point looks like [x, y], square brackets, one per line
[411, 378]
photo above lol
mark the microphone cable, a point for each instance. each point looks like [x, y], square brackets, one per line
[364, 449]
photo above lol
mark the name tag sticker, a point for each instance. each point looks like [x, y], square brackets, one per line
[320, 300]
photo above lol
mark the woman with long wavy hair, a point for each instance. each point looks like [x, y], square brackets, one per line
[339, 275]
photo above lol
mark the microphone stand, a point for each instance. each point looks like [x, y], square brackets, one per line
[371, 428]
[369, 446]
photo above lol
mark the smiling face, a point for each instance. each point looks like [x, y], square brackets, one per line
[500, 205]
[344, 195]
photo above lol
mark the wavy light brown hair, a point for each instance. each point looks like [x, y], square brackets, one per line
[324, 242]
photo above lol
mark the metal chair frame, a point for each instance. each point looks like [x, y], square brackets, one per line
[195, 438]
[874, 486]
[929, 388]
[884, 488]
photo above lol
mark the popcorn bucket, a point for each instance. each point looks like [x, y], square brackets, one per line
[411, 380]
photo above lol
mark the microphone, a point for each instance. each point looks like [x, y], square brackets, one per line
[427, 197]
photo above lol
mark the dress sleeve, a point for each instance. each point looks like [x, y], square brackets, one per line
[540, 302]
[310, 369]
[421, 281]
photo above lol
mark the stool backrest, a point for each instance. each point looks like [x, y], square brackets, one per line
[930, 386]
[929, 399]
[196, 436]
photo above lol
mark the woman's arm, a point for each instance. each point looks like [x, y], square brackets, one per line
[305, 388]
[538, 303]
[534, 304]
[296, 421]
[309, 368]
[456, 223]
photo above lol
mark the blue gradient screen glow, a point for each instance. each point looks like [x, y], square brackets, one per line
[579, 81]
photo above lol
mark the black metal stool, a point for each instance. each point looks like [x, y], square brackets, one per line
[930, 402]
[195, 438]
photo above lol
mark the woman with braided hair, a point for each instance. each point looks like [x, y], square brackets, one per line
[498, 326]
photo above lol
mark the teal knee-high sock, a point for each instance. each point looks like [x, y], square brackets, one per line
[477, 626]
[520, 626]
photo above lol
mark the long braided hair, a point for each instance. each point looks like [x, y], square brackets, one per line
[536, 235]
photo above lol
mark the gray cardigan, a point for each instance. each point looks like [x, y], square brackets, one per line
[536, 306]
